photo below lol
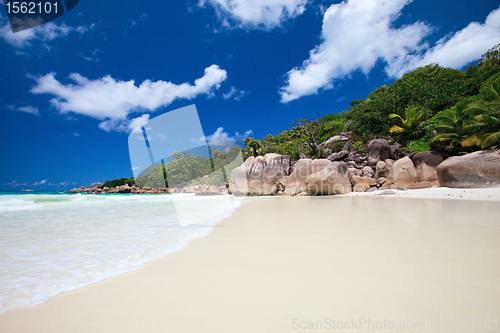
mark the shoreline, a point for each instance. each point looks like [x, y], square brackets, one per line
[265, 263]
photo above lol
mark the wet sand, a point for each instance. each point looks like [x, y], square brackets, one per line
[293, 264]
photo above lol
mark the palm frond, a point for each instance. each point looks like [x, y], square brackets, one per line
[493, 92]
[392, 116]
[475, 110]
[444, 127]
[447, 116]
[474, 127]
[443, 137]
[490, 139]
[397, 129]
[469, 142]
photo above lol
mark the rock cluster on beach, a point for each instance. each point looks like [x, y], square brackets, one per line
[384, 166]
[200, 190]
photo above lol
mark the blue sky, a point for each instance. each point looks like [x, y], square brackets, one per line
[73, 89]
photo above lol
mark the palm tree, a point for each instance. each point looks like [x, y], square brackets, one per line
[412, 124]
[254, 145]
[452, 127]
[485, 129]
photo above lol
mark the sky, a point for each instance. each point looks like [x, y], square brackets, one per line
[73, 89]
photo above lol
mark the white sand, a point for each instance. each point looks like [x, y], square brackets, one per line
[488, 194]
[279, 263]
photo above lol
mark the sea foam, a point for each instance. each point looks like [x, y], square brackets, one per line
[55, 243]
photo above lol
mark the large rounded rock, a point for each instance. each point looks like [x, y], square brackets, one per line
[431, 158]
[296, 183]
[426, 173]
[265, 171]
[425, 163]
[475, 170]
[402, 172]
[239, 178]
[125, 189]
[378, 150]
[356, 180]
[333, 179]
[256, 181]
[258, 175]
[368, 171]
[381, 169]
[389, 163]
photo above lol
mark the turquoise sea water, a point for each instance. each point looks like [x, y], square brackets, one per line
[51, 242]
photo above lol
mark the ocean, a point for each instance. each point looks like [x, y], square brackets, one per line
[54, 242]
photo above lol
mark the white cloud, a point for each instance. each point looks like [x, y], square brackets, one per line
[108, 98]
[45, 32]
[234, 93]
[264, 14]
[92, 57]
[15, 184]
[245, 135]
[355, 34]
[456, 50]
[220, 136]
[28, 109]
[126, 125]
[58, 184]
[111, 100]
[40, 183]
[202, 140]
[341, 99]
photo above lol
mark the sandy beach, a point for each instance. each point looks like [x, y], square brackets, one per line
[286, 264]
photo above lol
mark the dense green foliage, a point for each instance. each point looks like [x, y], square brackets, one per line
[455, 109]
[118, 182]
